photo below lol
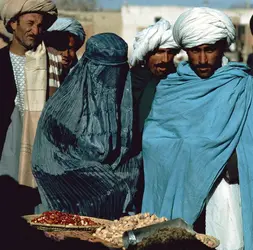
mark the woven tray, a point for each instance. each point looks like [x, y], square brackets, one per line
[81, 235]
[56, 227]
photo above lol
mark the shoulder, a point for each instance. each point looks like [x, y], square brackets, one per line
[251, 72]
[140, 72]
[235, 68]
[4, 51]
[4, 56]
[250, 55]
[140, 77]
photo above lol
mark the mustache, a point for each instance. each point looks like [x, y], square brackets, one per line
[202, 66]
[162, 65]
[35, 37]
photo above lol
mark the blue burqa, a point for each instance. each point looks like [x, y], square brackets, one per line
[193, 128]
[82, 158]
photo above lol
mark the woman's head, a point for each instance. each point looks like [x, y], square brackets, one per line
[106, 49]
[106, 56]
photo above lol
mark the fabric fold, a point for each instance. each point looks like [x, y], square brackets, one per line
[82, 157]
[196, 125]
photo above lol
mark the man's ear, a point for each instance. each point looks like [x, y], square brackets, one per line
[13, 25]
[186, 50]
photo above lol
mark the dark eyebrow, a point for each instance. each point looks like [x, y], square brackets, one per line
[212, 46]
[194, 48]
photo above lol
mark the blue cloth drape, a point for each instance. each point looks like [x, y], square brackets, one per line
[193, 128]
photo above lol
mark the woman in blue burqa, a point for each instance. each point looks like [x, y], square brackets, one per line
[82, 158]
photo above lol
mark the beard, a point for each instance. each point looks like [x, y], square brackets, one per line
[168, 68]
[29, 44]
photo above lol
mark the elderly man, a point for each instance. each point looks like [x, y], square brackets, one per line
[152, 60]
[26, 75]
[65, 37]
[199, 124]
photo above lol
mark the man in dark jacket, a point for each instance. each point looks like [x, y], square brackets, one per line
[152, 60]
[26, 20]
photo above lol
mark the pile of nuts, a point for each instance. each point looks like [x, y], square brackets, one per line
[114, 231]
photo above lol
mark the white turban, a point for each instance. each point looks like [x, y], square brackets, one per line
[199, 26]
[155, 36]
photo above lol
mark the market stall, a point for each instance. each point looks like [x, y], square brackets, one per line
[117, 234]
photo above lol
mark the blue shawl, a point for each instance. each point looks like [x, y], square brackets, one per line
[193, 128]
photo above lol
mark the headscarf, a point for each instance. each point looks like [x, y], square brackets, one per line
[70, 25]
[203, 25]
[155, 36]
[82, 160]
[13, 8]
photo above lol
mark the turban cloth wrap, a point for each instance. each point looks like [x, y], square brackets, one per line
[199, 26]
[9, 9]
[155, 36]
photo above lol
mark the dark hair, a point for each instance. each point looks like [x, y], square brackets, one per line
[251, 24]
[57, 39]
[170, 239]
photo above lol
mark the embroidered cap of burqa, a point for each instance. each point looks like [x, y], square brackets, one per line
[82, 160]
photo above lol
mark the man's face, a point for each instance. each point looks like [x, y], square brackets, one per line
[160, 62]
[27, 30]
[206, 58]
[69, 57]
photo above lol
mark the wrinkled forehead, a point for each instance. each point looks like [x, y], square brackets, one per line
[33, 17]
[219, 44]
[167, 50]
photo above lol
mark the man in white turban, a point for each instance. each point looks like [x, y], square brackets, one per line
[152, 60]
[156, 39]
[201, 26]
[29, 74]
[198, 134]
[65, 37]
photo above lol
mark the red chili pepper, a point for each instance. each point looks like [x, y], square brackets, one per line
[62, 218]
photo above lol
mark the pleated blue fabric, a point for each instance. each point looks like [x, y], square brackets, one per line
[82, 157]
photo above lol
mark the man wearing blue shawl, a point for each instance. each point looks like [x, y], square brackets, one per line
[198, 130]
